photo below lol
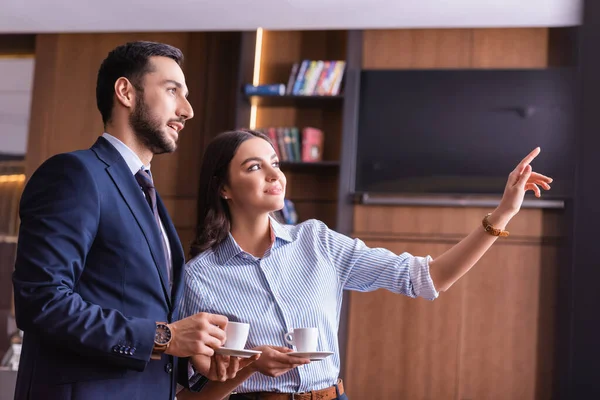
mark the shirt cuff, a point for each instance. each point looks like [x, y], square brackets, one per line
[195, 380]
[418, 268]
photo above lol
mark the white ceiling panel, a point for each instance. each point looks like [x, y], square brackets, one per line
[36, 16]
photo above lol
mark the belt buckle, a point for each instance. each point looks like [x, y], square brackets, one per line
[296, 396]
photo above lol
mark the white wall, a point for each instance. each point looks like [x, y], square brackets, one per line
[16, 83]
[36, 16]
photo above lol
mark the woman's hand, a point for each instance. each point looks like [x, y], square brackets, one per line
[520, 180]
[275, 362]
[221, 368]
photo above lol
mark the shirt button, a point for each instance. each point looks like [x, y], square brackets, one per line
[169, 368]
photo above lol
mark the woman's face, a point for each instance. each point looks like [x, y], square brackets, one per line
[256, 184]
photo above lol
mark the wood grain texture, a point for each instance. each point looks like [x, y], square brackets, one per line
[490, 336]
[403, 348]
[417, 48]
[510, 48]
[456, 48]
[509, 325]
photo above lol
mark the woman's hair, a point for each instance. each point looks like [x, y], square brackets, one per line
[214, 219]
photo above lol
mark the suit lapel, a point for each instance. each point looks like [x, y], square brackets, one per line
[134, 197]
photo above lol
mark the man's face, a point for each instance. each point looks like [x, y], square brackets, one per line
[161, 108]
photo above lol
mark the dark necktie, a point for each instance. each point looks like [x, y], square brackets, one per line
[145, 181]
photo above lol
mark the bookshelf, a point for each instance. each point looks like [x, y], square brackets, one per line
[296, 101]
[268, 57]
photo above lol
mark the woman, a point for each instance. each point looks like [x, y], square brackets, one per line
[251, 268]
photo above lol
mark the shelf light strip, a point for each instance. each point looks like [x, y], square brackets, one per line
[256, 74]
[12, 178]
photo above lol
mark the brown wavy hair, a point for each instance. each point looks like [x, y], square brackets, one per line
[214, 219]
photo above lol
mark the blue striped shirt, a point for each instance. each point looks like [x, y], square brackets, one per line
[298, 283]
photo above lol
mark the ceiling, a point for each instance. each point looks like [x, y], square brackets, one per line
[37, 16]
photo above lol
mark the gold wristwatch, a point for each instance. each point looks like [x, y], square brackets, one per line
[162, 340]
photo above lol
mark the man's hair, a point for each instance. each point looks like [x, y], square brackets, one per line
[131, 61]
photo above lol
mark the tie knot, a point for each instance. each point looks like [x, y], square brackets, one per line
[144, 179]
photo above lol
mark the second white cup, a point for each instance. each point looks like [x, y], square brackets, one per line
[304, 339]
[236, 335]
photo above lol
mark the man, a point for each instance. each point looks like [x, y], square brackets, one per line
[98, 274]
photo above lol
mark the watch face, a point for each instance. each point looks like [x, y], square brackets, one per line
[163, 334]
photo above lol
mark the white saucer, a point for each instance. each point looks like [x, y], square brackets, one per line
[242, 353]
[311, 355]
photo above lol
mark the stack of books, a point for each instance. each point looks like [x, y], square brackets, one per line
[308, 78]
[294, 145]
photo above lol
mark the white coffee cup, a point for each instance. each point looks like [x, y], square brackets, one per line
[236, 335]
[304, 339]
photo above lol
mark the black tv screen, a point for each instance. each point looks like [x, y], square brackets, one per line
[463, 131]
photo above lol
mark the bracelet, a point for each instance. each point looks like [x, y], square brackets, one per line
[489, 228]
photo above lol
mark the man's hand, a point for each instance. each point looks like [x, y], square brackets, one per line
[275, 362]
[221, 368]
[198, 334]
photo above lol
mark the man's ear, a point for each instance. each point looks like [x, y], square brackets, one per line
[125, 92]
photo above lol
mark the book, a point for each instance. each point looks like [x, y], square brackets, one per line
[288, 212]
[272, 134]
[312, 144]
[296, 143]
[292, 79]
[274, 89]
[298, 84]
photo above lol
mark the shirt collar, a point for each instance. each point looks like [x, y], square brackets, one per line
[133, 161]
[281, 231]
[229, 248]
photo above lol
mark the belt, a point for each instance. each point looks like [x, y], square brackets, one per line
[324, 394]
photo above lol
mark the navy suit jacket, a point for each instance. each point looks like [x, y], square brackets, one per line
[90, 282]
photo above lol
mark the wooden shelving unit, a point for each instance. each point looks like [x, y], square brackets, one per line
[296, 101]
[313, 187]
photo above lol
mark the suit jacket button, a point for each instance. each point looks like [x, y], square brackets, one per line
[169, 368]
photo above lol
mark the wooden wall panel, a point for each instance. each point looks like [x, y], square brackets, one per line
[510, 48]
[496, 324]
[404, 348]
[509, 325]
[417, 48]
[455, 48]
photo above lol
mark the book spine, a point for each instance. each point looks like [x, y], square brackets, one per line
[275, 89]
[340, 68]
[300, 78]
[292, 79]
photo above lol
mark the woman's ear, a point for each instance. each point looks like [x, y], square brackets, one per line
[224, 193]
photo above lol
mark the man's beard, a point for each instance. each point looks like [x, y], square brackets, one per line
[148, 130]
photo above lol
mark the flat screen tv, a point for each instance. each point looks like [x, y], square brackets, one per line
[463, 131]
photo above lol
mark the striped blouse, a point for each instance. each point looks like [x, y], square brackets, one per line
[299, 282]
